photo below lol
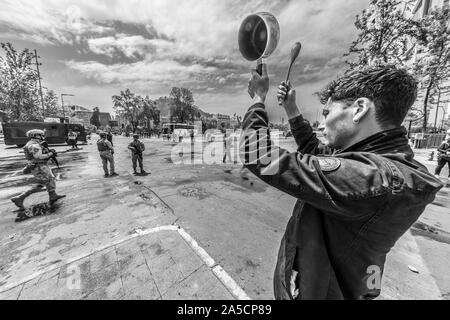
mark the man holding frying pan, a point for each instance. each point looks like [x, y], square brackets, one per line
[352, 206]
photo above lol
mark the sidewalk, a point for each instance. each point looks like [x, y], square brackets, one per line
[155, 265]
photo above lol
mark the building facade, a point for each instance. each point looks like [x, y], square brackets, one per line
[82, 115]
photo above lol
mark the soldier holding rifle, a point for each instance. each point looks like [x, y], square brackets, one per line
[38, 157]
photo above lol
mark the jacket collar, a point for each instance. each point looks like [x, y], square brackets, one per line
[392, 141]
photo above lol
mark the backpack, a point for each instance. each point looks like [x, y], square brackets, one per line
[102, 146]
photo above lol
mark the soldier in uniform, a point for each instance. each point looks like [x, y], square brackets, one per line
[106, 154]
[137, 148]
[443, 157]
[352, 206]
[37, 165]
[72, 139]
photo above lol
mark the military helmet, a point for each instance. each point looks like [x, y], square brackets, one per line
[102, 134]
[34, 133]
[136, 135]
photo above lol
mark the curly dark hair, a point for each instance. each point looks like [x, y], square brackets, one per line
[392, 90]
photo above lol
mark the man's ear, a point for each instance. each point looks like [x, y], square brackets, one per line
[362, 107]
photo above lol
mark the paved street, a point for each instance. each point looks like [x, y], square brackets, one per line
[182, 232]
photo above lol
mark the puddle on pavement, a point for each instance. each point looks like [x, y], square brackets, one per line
[194, 192]
[240, 184]
[42, 209]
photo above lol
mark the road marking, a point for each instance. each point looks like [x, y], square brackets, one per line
[218, 271]
[228, 282]
[200, 251]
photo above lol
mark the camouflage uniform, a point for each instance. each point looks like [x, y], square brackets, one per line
[41, 171]
[72, 139]
[107, 155]
[137, 148]
[38, 167]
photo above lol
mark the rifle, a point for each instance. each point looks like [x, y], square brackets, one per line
[46, 149]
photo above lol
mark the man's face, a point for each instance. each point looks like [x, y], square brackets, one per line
[339, 126]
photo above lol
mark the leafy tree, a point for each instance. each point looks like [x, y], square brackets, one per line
[19, 96]
[95, 119]
[51, 104]
[440, 98]
[149, 112]
[128, 105]
[384, 34]
[184, 109]
[433, 65]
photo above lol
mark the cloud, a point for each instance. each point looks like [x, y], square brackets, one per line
[144, 74]
[130, 46]
[155, 44]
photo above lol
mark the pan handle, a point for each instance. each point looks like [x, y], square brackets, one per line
[259, 66]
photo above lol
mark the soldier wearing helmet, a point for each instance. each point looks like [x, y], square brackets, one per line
[137, 148]
[37, 165]
[106, 154]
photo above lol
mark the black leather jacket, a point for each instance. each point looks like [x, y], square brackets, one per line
[352, 206]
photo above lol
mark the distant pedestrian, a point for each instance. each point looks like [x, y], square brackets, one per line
[72, 139]
[107, 155]
[443, 157]
[137, 149]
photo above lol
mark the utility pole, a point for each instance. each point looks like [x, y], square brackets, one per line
[40, 84]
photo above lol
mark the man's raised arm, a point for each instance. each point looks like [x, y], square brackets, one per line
[304, 136]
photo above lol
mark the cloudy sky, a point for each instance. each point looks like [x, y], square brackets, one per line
[96, 48]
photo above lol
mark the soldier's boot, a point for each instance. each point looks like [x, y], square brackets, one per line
[18, 201]
[55, 197]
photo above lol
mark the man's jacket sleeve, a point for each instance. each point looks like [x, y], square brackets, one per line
[306, 139]
[351, 187]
